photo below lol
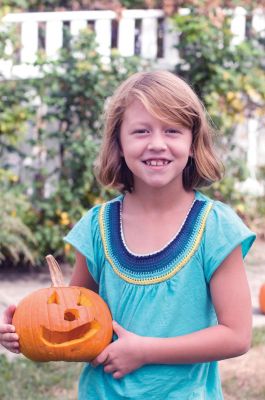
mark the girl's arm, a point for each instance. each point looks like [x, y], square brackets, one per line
[230, 338]
[81, 276]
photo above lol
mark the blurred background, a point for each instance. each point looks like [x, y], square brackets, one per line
[59, 63]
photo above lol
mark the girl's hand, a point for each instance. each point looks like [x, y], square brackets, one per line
[8, 335]
[122, 356]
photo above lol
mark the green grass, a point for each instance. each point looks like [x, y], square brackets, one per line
[258, 336]
[248, 384]
[23, 379]
[232, 389]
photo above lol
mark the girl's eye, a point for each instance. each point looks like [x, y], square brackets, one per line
[140, 131]
[172, 131]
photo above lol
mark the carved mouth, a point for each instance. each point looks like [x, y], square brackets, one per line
[75, 335]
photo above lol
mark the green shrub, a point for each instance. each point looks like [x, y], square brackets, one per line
[65, 120]
[16, 239]
[228, 78]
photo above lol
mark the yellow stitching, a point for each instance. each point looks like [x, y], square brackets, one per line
[168, 275]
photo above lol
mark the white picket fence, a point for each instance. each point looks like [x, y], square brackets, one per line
[147, 33]
[144, 32]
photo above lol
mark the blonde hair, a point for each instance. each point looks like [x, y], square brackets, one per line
[170, 99]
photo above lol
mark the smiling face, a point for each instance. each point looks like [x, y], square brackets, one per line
[63, 323]
[76, 319]
[155, 151]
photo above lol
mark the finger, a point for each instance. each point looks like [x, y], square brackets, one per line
[100, 359]
[16, 351]
[7, 329]
[117, 375]
[9, 337]
[11, 345]
[118, 329]
[110, 368]
[8, 314]
[12, 349]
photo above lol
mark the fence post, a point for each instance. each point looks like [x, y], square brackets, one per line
[103, 36]
[29, 41]
[238, 25]
[77, 25]
[258, 21]
[53, 38]
[171, 38]
[126, 38]
[149, 38]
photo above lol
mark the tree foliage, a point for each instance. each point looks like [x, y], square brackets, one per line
[64, 110]
[16, 238]
[228, 77]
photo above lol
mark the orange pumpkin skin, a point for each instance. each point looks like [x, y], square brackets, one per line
[63, 324]
[262, 299]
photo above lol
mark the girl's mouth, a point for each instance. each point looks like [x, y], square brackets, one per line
[156, 163]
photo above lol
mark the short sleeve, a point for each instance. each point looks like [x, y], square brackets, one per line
[85, 237]
[224, 231]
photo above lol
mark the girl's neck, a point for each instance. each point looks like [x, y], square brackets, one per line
[159, 216]
[159, 199]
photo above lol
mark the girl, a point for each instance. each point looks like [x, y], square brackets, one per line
[166, 258]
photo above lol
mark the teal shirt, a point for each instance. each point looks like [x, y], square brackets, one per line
[163, 294]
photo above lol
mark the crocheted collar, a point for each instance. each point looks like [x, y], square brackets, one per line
[158, 266]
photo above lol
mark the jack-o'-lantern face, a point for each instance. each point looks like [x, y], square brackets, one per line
[63, 323]
[76, 318]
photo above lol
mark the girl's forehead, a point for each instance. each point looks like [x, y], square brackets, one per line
[135, 103]
[137, 110]
[142, 106]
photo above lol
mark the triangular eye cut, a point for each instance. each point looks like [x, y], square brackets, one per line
[54, 298]
[83, 300]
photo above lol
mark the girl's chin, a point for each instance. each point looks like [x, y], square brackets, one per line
[158, 184]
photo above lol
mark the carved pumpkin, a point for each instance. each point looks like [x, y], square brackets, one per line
[262, 299]
[62, 323]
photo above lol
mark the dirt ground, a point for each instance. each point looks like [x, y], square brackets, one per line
[245, 370]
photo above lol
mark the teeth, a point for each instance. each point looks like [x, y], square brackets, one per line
[156, 163]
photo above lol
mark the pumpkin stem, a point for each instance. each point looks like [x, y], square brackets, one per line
[55, 271]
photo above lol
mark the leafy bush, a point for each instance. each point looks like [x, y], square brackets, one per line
[65, 121]
[16, 239]
[228, 78]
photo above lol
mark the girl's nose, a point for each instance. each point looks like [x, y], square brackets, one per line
[156, 142]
